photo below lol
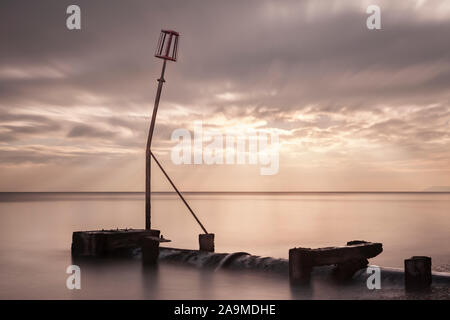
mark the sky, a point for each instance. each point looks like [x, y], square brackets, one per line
[354, 109]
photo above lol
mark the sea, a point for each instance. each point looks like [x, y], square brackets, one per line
[36, 233]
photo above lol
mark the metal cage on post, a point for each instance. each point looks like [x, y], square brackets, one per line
[167, 48]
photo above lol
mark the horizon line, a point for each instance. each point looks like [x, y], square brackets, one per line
[229, 192]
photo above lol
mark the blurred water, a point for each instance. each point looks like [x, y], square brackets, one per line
[36, 229]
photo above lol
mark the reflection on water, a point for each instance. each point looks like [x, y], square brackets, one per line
[35, 237]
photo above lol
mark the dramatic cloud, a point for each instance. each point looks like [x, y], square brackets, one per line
[354, 108]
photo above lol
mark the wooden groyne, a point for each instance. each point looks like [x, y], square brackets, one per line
[342, 263]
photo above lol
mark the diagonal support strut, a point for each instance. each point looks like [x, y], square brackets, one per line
[178, 192]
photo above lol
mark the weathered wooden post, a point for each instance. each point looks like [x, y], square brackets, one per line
[150, 249]
[300, 266]
[206, 242]
[417, 273]
[167, 50]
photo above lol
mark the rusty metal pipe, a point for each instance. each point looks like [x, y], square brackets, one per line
[148, 151]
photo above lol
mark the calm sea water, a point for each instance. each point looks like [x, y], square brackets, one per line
[36, 230]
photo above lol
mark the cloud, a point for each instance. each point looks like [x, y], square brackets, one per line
[90, 132]
[309, 69]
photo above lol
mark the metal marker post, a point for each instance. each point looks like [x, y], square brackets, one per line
[167, 50]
